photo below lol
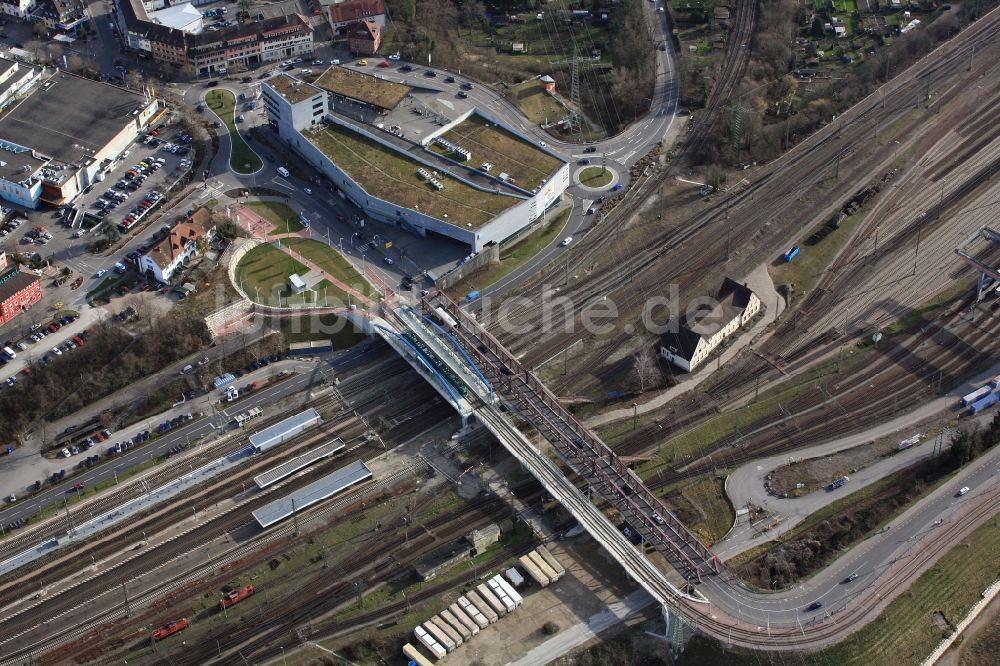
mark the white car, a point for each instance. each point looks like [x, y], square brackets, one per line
[566, 241]
[394, 56]
[101, 273]
[963, 490]
[307, 190]
[388, 260]
[57, 351]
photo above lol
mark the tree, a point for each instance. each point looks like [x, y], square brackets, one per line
[818, 30]
[645, 369]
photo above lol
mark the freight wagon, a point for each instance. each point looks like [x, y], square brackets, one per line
[975, 395]
[235, 597]
[543, 566]
[983, 403]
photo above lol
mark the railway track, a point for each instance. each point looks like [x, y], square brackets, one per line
[674, 254]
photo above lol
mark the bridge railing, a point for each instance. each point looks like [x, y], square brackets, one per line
[628, 489]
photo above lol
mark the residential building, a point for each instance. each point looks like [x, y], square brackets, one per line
[19, 8]
[180, 40]
[700, 332]
[15, 79]
[60, 14]
[364, 37]
[178, 246]
[345, 12]
[18, 292]
[184, 17]
[57, 141]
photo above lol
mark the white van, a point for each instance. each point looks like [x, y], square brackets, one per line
[282, 171]
[10, 352]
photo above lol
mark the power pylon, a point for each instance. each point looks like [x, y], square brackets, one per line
[575, 123]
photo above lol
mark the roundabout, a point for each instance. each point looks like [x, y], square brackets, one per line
[596, 178]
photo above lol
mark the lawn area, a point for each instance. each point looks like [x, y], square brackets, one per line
[263, 273]
[513, 257]
[702, 506]
[284, 219]
[528, 165]
[539, 106]
[363, 86]
[332, 262]
[388, 175]
[813, 260]
[595, 176]
[321, 327]
[242, 159]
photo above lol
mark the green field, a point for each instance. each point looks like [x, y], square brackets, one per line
[284, 219]
[242, 159]
[536, 104]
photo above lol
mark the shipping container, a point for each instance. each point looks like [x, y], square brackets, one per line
[480, 604]
[543, 566]
[995, 382]
[984, 403]
[509, 590]
[534, 572]
[501, 594]
[414, 655]
[464, 617]
[443, 639]
[487, 594]
[472, 612]
[515, 577]
[453, 634]
[975, 395]
[552, 561]
[791, 254]
[452, 621]
[428, 641]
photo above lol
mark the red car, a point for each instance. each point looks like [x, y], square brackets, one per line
[53, 327]
[170, 629]
[78, 340]
[79, 486]
[99, 437]
[341, 218]
[384, 63]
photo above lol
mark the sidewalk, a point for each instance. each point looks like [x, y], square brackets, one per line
[762, 285]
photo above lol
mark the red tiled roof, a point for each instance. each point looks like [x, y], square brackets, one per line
[352, 10]
[367, 30]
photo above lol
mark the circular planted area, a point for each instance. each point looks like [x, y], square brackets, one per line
[322, 276]
[595, 176]
[242, 159]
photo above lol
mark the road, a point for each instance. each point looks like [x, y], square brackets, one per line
[154, 448]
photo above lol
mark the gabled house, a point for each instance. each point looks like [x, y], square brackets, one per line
[345, 12]
[364, 37]
[704, 329]
[178, 246]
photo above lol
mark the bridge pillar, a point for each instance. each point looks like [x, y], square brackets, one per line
[675, 632]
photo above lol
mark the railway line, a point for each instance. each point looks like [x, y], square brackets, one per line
[673, 254]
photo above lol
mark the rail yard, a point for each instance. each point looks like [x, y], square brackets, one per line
[474, 480]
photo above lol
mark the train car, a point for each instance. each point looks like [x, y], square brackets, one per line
[429, 642]
[443, 639]
[464, 618]
[454, 636]
[509, 590]
[170, 629]
[413, 654]
[478, 603]
[791, 254]
[534, 572]
[552, 561]
[445, 318]
[235, 597]
[452, 620]
[995, 382]
[543, 566]
[492, 599]
[975, 395]
[984, 403]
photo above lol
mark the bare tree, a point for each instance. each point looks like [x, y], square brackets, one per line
[646, 369]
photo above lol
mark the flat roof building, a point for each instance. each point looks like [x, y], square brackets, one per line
[284, 430]
[327, 487]
[71, 128]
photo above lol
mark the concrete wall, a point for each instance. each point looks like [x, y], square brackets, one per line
[489, 256]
